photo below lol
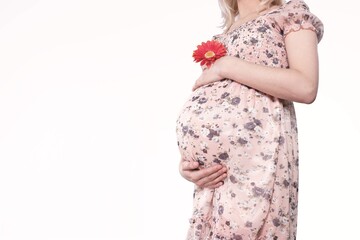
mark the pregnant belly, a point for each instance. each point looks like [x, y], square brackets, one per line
[226, 121]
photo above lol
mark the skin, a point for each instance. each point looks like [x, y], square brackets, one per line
[299, 83]
[211, 177]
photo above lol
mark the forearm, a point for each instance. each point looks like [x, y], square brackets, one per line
[289, 84]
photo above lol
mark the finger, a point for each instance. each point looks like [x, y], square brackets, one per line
[207, 175]
[212, 180]
[216, 185]
[197, 83]
[195, 86]
[210, 172]
[216, 182]
[187, 169]
[189, 165]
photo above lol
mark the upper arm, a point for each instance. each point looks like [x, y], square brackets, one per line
[301, 47]
[302, 30]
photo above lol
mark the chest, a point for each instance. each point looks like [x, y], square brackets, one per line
[257, 41]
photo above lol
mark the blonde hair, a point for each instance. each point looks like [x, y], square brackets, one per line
[229, 10]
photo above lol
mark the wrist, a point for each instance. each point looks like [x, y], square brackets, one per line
[223, 66]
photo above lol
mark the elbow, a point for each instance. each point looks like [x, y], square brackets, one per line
[309, 99]
[309, 94]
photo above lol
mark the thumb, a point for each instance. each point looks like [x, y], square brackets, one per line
[189, 165]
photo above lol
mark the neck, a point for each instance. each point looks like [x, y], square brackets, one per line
[247, 7]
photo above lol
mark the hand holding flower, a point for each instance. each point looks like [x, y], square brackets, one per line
[208, 54]
[210, 74]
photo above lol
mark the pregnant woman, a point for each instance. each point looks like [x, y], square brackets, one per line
[241, 116]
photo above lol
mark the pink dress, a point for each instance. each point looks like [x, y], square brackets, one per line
[252, 133]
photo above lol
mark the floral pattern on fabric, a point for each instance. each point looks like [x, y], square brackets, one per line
[252, 133]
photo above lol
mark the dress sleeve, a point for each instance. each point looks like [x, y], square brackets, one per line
[296, 16]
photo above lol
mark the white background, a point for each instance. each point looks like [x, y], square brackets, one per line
[89, 95]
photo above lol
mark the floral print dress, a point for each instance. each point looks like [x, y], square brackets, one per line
[252, 133]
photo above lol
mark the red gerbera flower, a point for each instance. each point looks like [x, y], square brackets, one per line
[208, 52]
